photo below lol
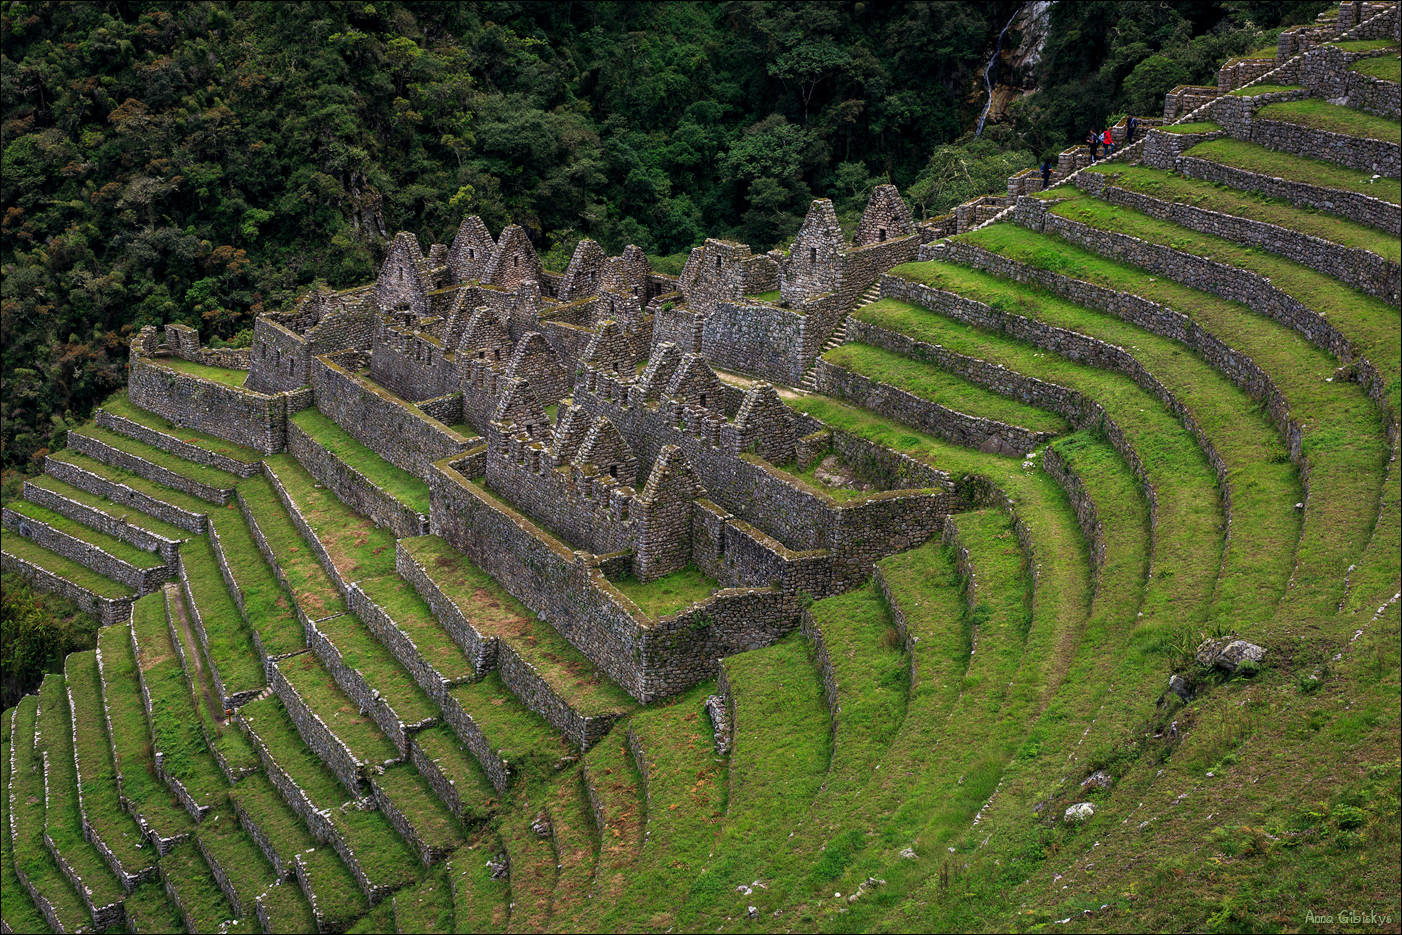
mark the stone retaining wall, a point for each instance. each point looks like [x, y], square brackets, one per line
[116, 527]
[304, 529]
[227, 698]
[480, 650]
[1380, 156]
[167, 442]
[400, 645]
[317, 821]
[182, 795]
[121, 494]
[442, 786]
[352, 488]
[99, 450]
[370, 702]
[906, 407]
[242, 416]
[319, 736]
[402, 823]
[141, 580]
[108, 610]
[1361, 269]
[1086, 513]
[283, 870]
[831, 691]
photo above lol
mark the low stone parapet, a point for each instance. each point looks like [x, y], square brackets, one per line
[142, 580]
[76, 476]
[177, 447]
[108, 610]
[99, 450]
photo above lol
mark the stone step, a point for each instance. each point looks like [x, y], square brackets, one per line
[146, 799]
[77, 858]
[162, 467]
[52, 894]
[109, 601]
[124, 417]
[105, 516]
[126, 489]
[113, 832]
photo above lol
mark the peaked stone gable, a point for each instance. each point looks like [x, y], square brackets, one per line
[515, 260]
[581, 277]
[885, 218]
[400, 285]
[471, 251]
[814, 263]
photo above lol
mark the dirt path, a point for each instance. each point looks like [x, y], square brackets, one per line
[192, 651]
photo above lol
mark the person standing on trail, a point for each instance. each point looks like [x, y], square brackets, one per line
[1130, 127]
[1046, 173]
[1093, 141]
[1109, 141]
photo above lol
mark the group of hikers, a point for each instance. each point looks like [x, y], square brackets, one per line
[1095, 140]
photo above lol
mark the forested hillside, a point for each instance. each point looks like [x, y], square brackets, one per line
[199, 162]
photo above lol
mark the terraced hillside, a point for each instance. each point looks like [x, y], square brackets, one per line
[1166, 396]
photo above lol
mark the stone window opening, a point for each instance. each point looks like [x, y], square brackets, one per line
[530, 430]
[400, 271]
[717, 262]
[516, 261]
[703, 400]
[613, 471]
[813, 255]
[481, 355]
[471, 254]
[880, 234]
[497, 352]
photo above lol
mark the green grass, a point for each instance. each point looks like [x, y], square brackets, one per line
[131, 736]
[63, 822]
[577, 840]
[426, 908]
[244, 865]
[1386, 67]
[1205, 126]
[267, 720]
[212, 477]
[385, 858]
[1269, 51]
[616, 789]
[338, 895]
[223, 375]
[1176, 188]
[223, 738]
[201, 900]
[1335, 118]
[670, 594]
[101, 801]
[16, 906]
[120, 405]
[1365, 45]
[116, 510]
[367, 743]
[1256, 89]
[175, 716]
[943, 388]
[533, 870]
[116, 475]
[26, 825]
[781, 756]
[494, 612]
[311, 586]
[229, 640]
[381, 671]
[288, 910]
[771, 296]
[1253, 157]
[397, 598]
[452, 758]
[138, 558]
[480, 903]
[414, 798]
[266, 604]
[523, 739]
[284, 831]
[149, 909]
[399, 484]
[80, 575]
[358, 548]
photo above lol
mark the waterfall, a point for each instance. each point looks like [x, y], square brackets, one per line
[988, 72]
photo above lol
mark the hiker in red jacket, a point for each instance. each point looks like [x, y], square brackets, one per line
[1109, 142]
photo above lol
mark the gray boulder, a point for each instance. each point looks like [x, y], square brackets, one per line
[1229, 654]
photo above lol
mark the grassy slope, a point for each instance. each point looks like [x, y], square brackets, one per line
[1335, 118]
[398, 483]
[1256, 158]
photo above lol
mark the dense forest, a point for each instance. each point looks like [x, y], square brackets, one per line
[199, 162]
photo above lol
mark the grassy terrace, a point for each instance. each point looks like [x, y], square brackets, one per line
[413, 617]
[109, 544]
[533, 870]
[338, 895]
[149, 909]
[669, 594]
[175, 715]
[385, 858]
[120, 405]
[943, 388]
[140, 484]
[428, 907]
[267, 721]
[266, 604]
[382, 672]
[16, 907]
[225, 375]
[213, 477]
[260, 800]
[63, 821]
[288, 910]
[783, 747]
[101, 801]
[1335, 118]
[414, 798]
[1170, 187]
[80, 575]
[1365, 45]
[617, 790]
[357, 547]
[146, 796]
[810, 476]
[522, 738]
[576, 837]
[319, 690]
[494, 612]
[222, 736]
[311, 586]
[1256, 158]
[25, 830]
[687, 788]
[201, 900]
[461, 768]
[480, 903]
[1330, 542]
[248, 871]
[115, 510]
[1190, 514]
[378, 920]
[230, 641]
[399, 484]
[1386, 67]
[1265, 486]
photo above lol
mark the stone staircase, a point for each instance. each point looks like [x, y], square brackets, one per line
[839, 336]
